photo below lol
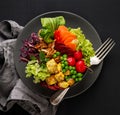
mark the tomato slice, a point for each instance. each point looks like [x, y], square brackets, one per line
[69, 39]
[71, 45]
[64, 36]
[62, 28]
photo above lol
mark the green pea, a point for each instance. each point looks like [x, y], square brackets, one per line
[64, 59]
[61, 58]
[72, 71]
[65, 55]
[70, 67]
[79, 74]
[73, 68]
[63, 70]
[57, 53]
[62, 65]
[79, 79]
[73, 76]
[54, 55]
[66, 67]
[66, 63]
[76, 79]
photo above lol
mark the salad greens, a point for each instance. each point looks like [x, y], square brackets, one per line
[49, 25]
[57, 56]
[84, 44]
[38, 72]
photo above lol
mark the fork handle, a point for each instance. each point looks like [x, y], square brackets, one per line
[58, 96]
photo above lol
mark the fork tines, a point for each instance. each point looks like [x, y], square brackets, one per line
[105, 48]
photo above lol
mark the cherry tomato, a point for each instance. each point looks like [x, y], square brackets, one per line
[71, 61]
[78, 55]
[80, 66]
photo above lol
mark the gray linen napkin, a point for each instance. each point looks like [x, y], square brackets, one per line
[12, 89]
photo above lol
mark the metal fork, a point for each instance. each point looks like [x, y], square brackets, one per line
[100, 54]
[102, 51]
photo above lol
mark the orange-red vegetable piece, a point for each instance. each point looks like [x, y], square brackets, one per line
[64, 36]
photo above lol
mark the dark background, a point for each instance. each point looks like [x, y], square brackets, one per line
[103, 97]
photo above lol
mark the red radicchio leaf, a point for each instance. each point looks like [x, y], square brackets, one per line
[63, 49]
[52, 87]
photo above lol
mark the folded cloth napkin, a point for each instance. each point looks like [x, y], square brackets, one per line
[12, 89]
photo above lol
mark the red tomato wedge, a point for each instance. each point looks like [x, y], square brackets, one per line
[71, 45]
[66, 37]
[62, 28]
[69, 38]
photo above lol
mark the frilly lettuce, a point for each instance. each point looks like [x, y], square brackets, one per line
[49, 25]
[84, 45]
[34, 69]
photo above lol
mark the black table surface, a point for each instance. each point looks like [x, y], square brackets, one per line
[103, 97]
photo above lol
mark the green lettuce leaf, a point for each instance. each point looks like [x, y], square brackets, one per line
[84, 45]
[49, 25]
[39, 73]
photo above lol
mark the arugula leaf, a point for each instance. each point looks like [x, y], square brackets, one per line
[42, 56]
[32, 57]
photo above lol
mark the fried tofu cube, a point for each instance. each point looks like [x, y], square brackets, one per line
[59, 77]
[63, 84]
[59, 67]
[67, 72]
[71, 81]
[52, 66]
[51, 80]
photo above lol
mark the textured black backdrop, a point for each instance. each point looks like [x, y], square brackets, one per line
[103, 97]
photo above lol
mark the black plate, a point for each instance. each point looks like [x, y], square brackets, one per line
[72, 20]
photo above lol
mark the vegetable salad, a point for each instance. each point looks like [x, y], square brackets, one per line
[57, 56]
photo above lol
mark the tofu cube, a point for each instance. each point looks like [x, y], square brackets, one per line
[51, 80]
[59, 77]
[63, 84]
